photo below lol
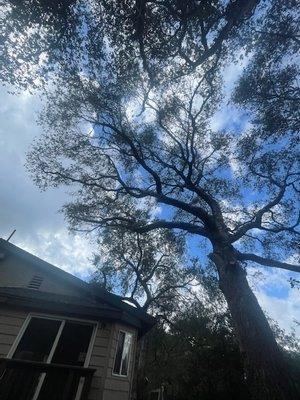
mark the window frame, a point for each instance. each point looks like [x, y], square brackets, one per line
[63, 320]
[129, 354]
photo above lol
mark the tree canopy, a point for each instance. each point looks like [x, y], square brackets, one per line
[133, 92]
[150, 271]
[162, 38]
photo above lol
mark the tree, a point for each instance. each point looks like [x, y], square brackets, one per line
[162, 38]
[124, 141]
[196, 344]
[268, 87]
[33, 34]
[147, 270]
[201, 342]
[176, 161]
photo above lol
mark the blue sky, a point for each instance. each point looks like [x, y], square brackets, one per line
[41, 228]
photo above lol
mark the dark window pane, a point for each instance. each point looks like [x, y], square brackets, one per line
[119, 353]
[37, 340]
[73, 344]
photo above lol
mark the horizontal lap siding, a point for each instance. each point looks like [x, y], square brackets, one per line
[98, 360]
[10, 325]
[105, 386]
[111, 395]
[116, 387]
[18, 272]
[11, 322]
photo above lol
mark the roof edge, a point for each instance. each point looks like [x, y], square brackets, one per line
[89, 289]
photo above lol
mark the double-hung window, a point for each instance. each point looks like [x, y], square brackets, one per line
[122, 356]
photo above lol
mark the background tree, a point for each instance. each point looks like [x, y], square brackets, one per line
[197, 343]
[200, 341]
[149, 271]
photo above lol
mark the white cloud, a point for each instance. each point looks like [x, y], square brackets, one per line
[73, 253]
[276, 297]
[40, 228]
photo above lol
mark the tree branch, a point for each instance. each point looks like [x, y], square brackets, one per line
[268, 262]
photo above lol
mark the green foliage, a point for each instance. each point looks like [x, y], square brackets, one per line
[160, 38]
[151, 270]
[132, 95]
[197, 356]
[33, 35]
[269, 86]
[196, 346]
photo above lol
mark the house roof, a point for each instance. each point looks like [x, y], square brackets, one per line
[99, 302]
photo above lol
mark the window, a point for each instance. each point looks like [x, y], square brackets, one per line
[122, 354]
[37, 340]
[73, 344]
[54, 341]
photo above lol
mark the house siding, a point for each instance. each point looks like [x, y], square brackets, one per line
[24, 271]
[98, 360]
[117, 387]
[105, 386]
[17, 271]
[10, 325]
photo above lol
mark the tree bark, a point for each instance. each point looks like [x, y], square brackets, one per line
[266, 371]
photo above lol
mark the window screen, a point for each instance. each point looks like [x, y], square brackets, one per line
[123, 353]
[38, 341]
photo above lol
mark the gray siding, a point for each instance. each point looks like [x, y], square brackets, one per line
[10, 325]
[118, 387]
[105, 386]
[16, 272]
[98, 360]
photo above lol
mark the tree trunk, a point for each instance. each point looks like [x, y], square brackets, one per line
[267, 374]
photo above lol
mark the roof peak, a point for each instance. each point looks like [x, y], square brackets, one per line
[89, 289]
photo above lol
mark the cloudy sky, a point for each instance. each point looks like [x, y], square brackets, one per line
[41, 229]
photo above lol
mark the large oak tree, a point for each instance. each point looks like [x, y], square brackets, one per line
[128, 124]
[175, 160]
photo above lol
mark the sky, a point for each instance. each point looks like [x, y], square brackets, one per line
[40, 226]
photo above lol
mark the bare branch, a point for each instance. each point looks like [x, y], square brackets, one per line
[268, 262]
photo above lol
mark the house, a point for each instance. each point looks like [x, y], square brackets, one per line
[60, 337]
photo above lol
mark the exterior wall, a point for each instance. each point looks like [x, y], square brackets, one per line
[118, 387]
[17, 272]
[10, 325]
[99, 360]
[105, 386]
